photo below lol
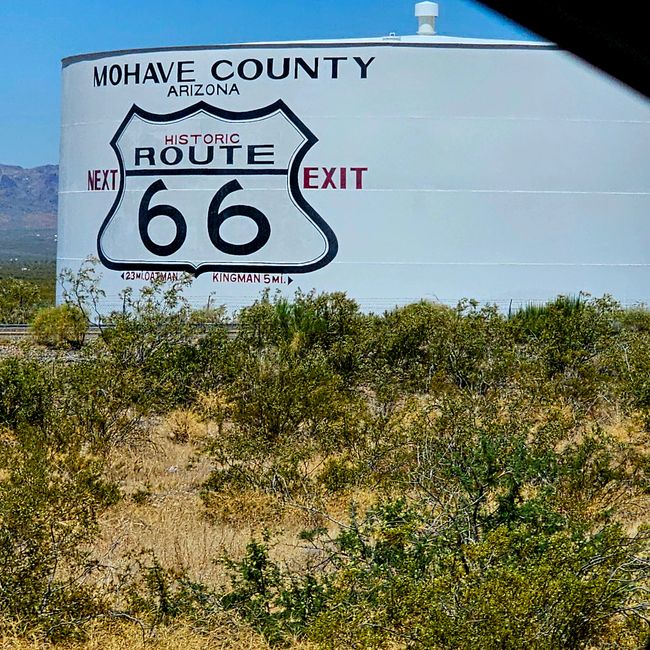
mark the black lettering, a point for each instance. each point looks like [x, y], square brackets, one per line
[99, 79]
[364, 65]
[144, 152]
[300, 62]
[209, 155]
[178, 155]
[335, 64]
[285, 69]
[256, 151]
[215, 70]
[259, 68]
[134, 73]
[183, 69]
[115, 74]
[164, 74]
[150, 74]
[230, 152]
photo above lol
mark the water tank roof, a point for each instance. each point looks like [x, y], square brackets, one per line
[390, 40]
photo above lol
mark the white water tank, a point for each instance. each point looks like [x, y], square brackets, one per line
[392, 169]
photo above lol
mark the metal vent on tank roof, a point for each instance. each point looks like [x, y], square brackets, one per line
[426, 13]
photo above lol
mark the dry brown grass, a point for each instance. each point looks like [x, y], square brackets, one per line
[162, 511]
[185, 425]
[633, 508]
[227, 635]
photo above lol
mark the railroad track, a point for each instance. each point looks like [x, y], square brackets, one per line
[17, 331]
[14, 331]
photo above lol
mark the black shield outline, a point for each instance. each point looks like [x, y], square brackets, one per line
[294, 189]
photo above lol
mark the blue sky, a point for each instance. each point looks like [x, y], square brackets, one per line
[37, 34]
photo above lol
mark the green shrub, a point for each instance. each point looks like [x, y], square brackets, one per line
[492, 430]
[89, 402]
[566, 343]
[25, 392]
[50, 498]
[19, 300]
[275, 602]
[398, 577]
[635, 319]
[62, 326]
[158, 596]
[402, 581]
[171, 351]
[631, 359]
[284, 409]
[427, 346]
[505, 540]
[99, 403]
[397, 345]
[329, 323]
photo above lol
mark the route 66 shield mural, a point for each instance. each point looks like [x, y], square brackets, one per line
[244, 211]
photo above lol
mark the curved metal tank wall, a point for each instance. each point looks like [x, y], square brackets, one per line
[394, 170]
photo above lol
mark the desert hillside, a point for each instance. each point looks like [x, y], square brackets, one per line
[28, 205]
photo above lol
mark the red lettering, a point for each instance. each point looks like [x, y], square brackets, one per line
[312, 178]
[358, 176]
[310, 174]
[101, 179]
[329, 180]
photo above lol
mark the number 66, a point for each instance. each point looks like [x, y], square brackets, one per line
[216, 218]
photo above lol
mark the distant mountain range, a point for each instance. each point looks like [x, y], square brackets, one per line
[28, 204]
